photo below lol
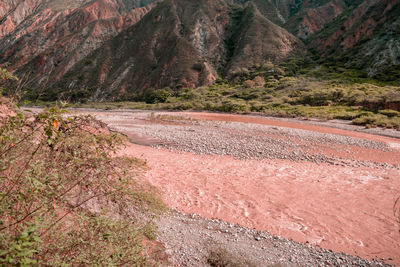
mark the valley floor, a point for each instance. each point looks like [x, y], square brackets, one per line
[333, 188]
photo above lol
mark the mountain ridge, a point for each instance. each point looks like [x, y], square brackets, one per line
[90, 47]
[183, 47]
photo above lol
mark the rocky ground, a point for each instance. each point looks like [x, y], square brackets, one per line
[190, 239]
[252, 141]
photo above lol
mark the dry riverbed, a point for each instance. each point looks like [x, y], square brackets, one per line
[328, 185]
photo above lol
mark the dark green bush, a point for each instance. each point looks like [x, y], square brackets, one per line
[389, 113]
[229, 105]
[156, 96]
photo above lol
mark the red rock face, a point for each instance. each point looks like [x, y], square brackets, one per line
[47, 38]
[361, 23]
[367, 27]
[312, 16]
[315, 18]
[395, 105]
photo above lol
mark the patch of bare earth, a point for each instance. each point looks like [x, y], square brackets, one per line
[326, 187]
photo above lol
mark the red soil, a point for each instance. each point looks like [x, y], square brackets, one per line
[340, 208]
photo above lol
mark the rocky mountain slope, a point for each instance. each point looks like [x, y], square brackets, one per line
[258, 40]
[180, 44]
[177, 45]
[368, 31]
[312, 17]
[46, 38]
[104, 49]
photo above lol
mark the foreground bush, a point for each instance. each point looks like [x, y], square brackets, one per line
[65, 198]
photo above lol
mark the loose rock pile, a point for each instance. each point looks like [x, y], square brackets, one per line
[189, 239]
[251, 141]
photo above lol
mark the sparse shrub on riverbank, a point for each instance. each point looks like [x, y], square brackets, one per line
[65, 196]
[291, 97]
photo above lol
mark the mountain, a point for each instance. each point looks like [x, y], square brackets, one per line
[176, 44]
[312, 17]
[46, 38]
[257, 40]
[180, 44]
[104, 49]
[366, 36]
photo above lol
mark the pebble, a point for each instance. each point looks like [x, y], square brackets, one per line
[253, 141]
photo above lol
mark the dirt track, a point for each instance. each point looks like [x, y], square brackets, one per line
[330, 187]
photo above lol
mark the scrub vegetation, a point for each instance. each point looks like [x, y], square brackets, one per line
[298, 88]
[66, 197]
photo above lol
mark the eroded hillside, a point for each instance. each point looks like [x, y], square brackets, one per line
[107, 49]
